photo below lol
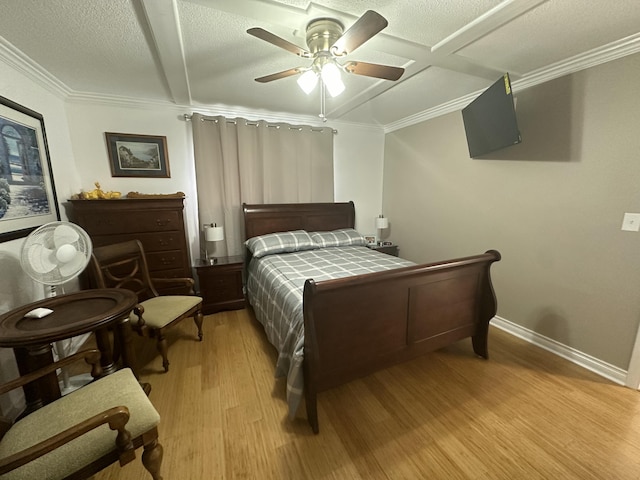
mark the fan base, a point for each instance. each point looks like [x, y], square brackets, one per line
[74, 383]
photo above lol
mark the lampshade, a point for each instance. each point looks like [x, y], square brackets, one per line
[308, 81]
[331, 77]
[382, 223]
[213, 233]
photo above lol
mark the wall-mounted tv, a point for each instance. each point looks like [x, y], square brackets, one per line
[490, 120]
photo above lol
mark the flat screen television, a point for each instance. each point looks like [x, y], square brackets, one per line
[490, 120]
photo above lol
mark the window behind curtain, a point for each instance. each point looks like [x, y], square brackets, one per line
[240, 161]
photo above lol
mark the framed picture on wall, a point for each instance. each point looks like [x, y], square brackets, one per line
[27, 191]
[137, 155]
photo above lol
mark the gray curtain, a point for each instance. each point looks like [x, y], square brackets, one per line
[239, 161]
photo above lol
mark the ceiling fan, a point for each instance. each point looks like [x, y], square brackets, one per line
[327, 42]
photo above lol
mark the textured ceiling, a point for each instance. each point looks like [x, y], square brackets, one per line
[197, 54]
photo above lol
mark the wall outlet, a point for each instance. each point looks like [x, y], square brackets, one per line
[631, 222]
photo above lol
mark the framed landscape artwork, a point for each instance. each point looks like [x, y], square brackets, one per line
[27, 191]
[137, 155]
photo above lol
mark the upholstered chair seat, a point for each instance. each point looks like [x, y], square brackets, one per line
[88, 429]
[161, 311]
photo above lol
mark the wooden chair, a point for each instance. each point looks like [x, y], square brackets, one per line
[83, 432]
[124, 265]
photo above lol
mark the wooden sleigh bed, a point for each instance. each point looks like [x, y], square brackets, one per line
[356, 325]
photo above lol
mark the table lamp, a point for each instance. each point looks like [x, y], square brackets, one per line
[382, 223]
[212, 233]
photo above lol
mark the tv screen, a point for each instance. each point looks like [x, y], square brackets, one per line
[490, 120]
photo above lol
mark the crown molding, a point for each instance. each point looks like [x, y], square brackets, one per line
[229, 111]
[25, 65]
[607, 53]
[119, 100]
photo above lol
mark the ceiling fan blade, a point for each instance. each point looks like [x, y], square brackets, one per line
[262, 34]
[365, 27]
[374, 70]
[279, 75]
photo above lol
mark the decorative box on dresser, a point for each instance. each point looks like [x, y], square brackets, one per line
[158, 222]
[221, 284]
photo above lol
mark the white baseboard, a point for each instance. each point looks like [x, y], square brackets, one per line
[593, 364]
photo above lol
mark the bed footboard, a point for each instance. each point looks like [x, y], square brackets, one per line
[355, 326]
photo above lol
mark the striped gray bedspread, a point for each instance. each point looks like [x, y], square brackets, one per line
[274, 289]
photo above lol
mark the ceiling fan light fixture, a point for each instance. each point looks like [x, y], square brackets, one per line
[332, 79]
[327, 41]
[308, 81]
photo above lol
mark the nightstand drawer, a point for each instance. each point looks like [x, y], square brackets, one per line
[221, 286]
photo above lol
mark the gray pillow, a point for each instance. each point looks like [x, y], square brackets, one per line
[281, 242]
[345, 237]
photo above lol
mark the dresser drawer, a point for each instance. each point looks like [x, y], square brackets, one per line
[134, 221]
[151, 242]
[164, 260]
[175, 273]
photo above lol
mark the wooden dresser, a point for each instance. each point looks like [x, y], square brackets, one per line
[157, 222]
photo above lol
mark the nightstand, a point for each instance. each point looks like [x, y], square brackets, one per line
[388, 249]
[221, 284]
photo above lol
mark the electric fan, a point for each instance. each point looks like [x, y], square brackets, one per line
[52, 255]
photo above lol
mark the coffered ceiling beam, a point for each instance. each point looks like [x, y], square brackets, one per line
[164, 28]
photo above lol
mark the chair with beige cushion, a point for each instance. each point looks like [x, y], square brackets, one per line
[83, 432]
[124, 265]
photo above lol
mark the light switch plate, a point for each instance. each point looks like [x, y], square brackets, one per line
[631, 222]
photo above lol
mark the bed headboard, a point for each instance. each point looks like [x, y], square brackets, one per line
[283, 217]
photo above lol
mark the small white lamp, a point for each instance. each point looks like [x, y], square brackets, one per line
[212, 233]
[382, 223]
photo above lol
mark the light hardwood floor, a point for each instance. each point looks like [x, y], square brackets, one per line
[523, 414]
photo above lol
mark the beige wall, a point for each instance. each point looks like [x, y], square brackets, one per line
[358, 158]
[553, 206]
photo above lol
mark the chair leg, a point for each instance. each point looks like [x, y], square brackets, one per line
[197, 318]
[152, 459]
[163, 349]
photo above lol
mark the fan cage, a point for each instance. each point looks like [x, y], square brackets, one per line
[44, 236]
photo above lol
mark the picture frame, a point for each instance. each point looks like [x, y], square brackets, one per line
[28, 197]
[370, 239]
[133, 155]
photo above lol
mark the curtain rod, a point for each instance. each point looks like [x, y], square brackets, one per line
[187, 118]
